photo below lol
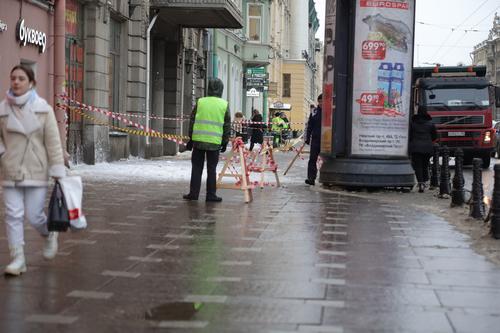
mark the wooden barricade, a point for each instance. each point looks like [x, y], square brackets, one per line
[263, 162]
[236, 167]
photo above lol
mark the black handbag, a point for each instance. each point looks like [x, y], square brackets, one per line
[58, 215]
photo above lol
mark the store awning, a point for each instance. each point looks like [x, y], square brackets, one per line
[200, 13]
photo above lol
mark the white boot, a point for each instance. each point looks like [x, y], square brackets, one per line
[18, 264]
[50, 248]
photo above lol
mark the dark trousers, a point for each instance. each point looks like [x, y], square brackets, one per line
[312, 169]
[420, 163]
[197, 161]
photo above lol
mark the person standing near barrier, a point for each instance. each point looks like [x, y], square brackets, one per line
[313, 138]
[257, 127]
[277, 124]
[209, 131]
[31, 152]
[422, 134]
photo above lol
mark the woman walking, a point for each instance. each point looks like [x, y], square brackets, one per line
[30, 150]
[257, 127]
[422, 134]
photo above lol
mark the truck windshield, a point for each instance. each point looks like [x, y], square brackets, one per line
[457, 99]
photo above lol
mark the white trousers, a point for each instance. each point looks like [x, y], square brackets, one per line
[21, 202]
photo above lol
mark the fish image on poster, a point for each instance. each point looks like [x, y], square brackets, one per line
[395, 33]
[383, 60]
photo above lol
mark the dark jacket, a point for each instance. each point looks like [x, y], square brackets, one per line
[313, 130]
[422, 134]
[257, 129]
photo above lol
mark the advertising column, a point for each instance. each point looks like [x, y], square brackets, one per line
[382, 78]
[367, 90]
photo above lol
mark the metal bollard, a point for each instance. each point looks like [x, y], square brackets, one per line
[477, 208]
[457, 193]
[444, 184]
[495, 205]
[435, 168]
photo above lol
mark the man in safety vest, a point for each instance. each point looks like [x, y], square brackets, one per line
[209, 131]
[277, 126]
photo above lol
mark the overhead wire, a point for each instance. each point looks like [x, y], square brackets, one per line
[478, 23]
[458, 26]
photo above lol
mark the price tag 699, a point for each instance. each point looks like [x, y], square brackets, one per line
[374, 50]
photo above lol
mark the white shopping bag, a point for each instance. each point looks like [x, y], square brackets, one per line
[72, 188]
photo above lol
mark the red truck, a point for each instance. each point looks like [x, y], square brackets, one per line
[461, 102]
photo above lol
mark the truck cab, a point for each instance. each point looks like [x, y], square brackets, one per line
[461, 102]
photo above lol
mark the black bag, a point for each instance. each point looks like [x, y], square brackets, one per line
[58, 215]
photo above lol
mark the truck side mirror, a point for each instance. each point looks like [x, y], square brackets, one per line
[497, 97]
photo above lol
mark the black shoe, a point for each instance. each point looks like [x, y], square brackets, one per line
[421, 187]
[189, 197]
[310, 182]
[213, 198]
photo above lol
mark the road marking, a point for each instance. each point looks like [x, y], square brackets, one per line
[51, 319]
[336, 282]
[80, 241]
[322, 265]
[121, 274]
[332, 253]
[205, 298]
[90, 294]
[236, 263]
[326, 303]
[246, 249]
[144, 259]
[340, 233]
[162, 247]
[182, 324]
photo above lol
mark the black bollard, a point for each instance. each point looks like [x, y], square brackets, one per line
[495, 205]
[457, 193]
[477, 205]
[444, 184]
[435, 168]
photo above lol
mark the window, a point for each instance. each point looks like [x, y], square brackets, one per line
[254, 22]
[114, 68]
[287, 83]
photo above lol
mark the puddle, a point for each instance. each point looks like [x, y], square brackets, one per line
[174, 311]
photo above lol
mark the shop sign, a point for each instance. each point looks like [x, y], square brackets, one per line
[26, 35]
[3, 26]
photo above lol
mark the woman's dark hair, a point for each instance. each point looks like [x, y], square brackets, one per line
[29, 72]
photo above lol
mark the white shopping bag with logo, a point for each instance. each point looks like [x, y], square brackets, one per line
[72, 188]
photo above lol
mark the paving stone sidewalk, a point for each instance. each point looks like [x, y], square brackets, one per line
[294, 260]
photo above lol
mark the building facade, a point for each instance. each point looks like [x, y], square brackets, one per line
[295, 79]
[32, 33]
[182, 43]
[487, 53]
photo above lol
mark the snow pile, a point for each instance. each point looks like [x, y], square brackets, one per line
[174, 169]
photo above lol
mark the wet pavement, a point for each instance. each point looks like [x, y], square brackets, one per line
[296, 259]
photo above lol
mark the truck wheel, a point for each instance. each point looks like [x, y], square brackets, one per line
[486, 162]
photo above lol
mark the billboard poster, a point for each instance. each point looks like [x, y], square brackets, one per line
[328, 107]
[383, 57]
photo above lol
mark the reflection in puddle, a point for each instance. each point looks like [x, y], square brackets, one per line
[174, 311]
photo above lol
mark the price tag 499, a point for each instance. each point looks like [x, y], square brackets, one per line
[371, 103]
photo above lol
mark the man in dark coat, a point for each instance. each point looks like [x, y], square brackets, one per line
[422, 134]
[209, 131]
[257, 128]
[313, 138]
